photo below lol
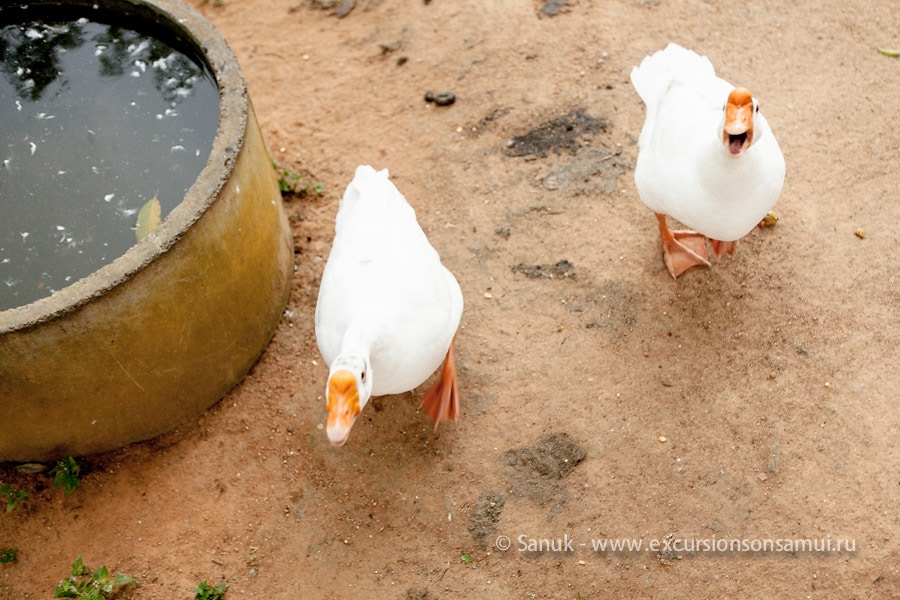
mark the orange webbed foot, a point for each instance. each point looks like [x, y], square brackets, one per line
[441, 402]
[681, 255]
[682, 249]
[722, 248]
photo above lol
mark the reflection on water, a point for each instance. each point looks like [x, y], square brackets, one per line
[97, 119]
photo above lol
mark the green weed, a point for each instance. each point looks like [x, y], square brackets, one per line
[293, 182]
[15, 499]
[204, 591]
[65, 475]
[8, 555]
[85, 584]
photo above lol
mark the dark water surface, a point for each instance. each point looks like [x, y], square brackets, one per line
[96, 119]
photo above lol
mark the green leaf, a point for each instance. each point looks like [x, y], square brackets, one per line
[65, 475]
[148, 219]
[78, 568]
[204, 591]
[20, 497]
[8, 555]
[65, 589]
[889, 52]
[467, 558]
[123, 579]
[14, 497]
[101, 573]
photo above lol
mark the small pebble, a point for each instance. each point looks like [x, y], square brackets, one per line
[488, 295]
[860, 233]
[445, 99]
[661, 439]
[442, 99]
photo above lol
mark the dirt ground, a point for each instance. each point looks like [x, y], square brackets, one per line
[753, 400]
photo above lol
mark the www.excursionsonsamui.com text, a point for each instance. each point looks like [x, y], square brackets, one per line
[566, 543]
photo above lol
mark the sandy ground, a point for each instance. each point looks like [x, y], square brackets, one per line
[772, 377]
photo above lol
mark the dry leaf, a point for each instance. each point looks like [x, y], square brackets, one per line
[148, 219]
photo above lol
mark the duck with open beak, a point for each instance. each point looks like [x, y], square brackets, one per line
[707, 157]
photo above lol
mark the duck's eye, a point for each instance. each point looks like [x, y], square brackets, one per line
[362, 376]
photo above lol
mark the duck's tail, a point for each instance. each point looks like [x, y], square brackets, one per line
[371, 200]
[364, 181]
[659, 71]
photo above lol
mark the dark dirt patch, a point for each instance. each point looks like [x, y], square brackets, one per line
[536, 470]
[612, 305]
[485, 122]
[551, 8]
[568, 132]
[554, 457]
[559, 270]
[483, 521]
[593, 170]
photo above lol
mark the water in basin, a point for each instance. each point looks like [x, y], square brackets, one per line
[96, 120]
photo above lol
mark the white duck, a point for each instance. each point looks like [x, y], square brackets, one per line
[707, 156]
[388, 310]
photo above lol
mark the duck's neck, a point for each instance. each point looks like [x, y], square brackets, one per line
[721, 171]
[359, 337]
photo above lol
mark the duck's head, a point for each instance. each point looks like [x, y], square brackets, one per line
[348, 391]
[737, 132]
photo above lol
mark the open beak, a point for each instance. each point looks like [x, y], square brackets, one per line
[342, 406]
[737, 135]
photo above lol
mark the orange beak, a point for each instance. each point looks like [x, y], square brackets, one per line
[737, 134]
[343, 406]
